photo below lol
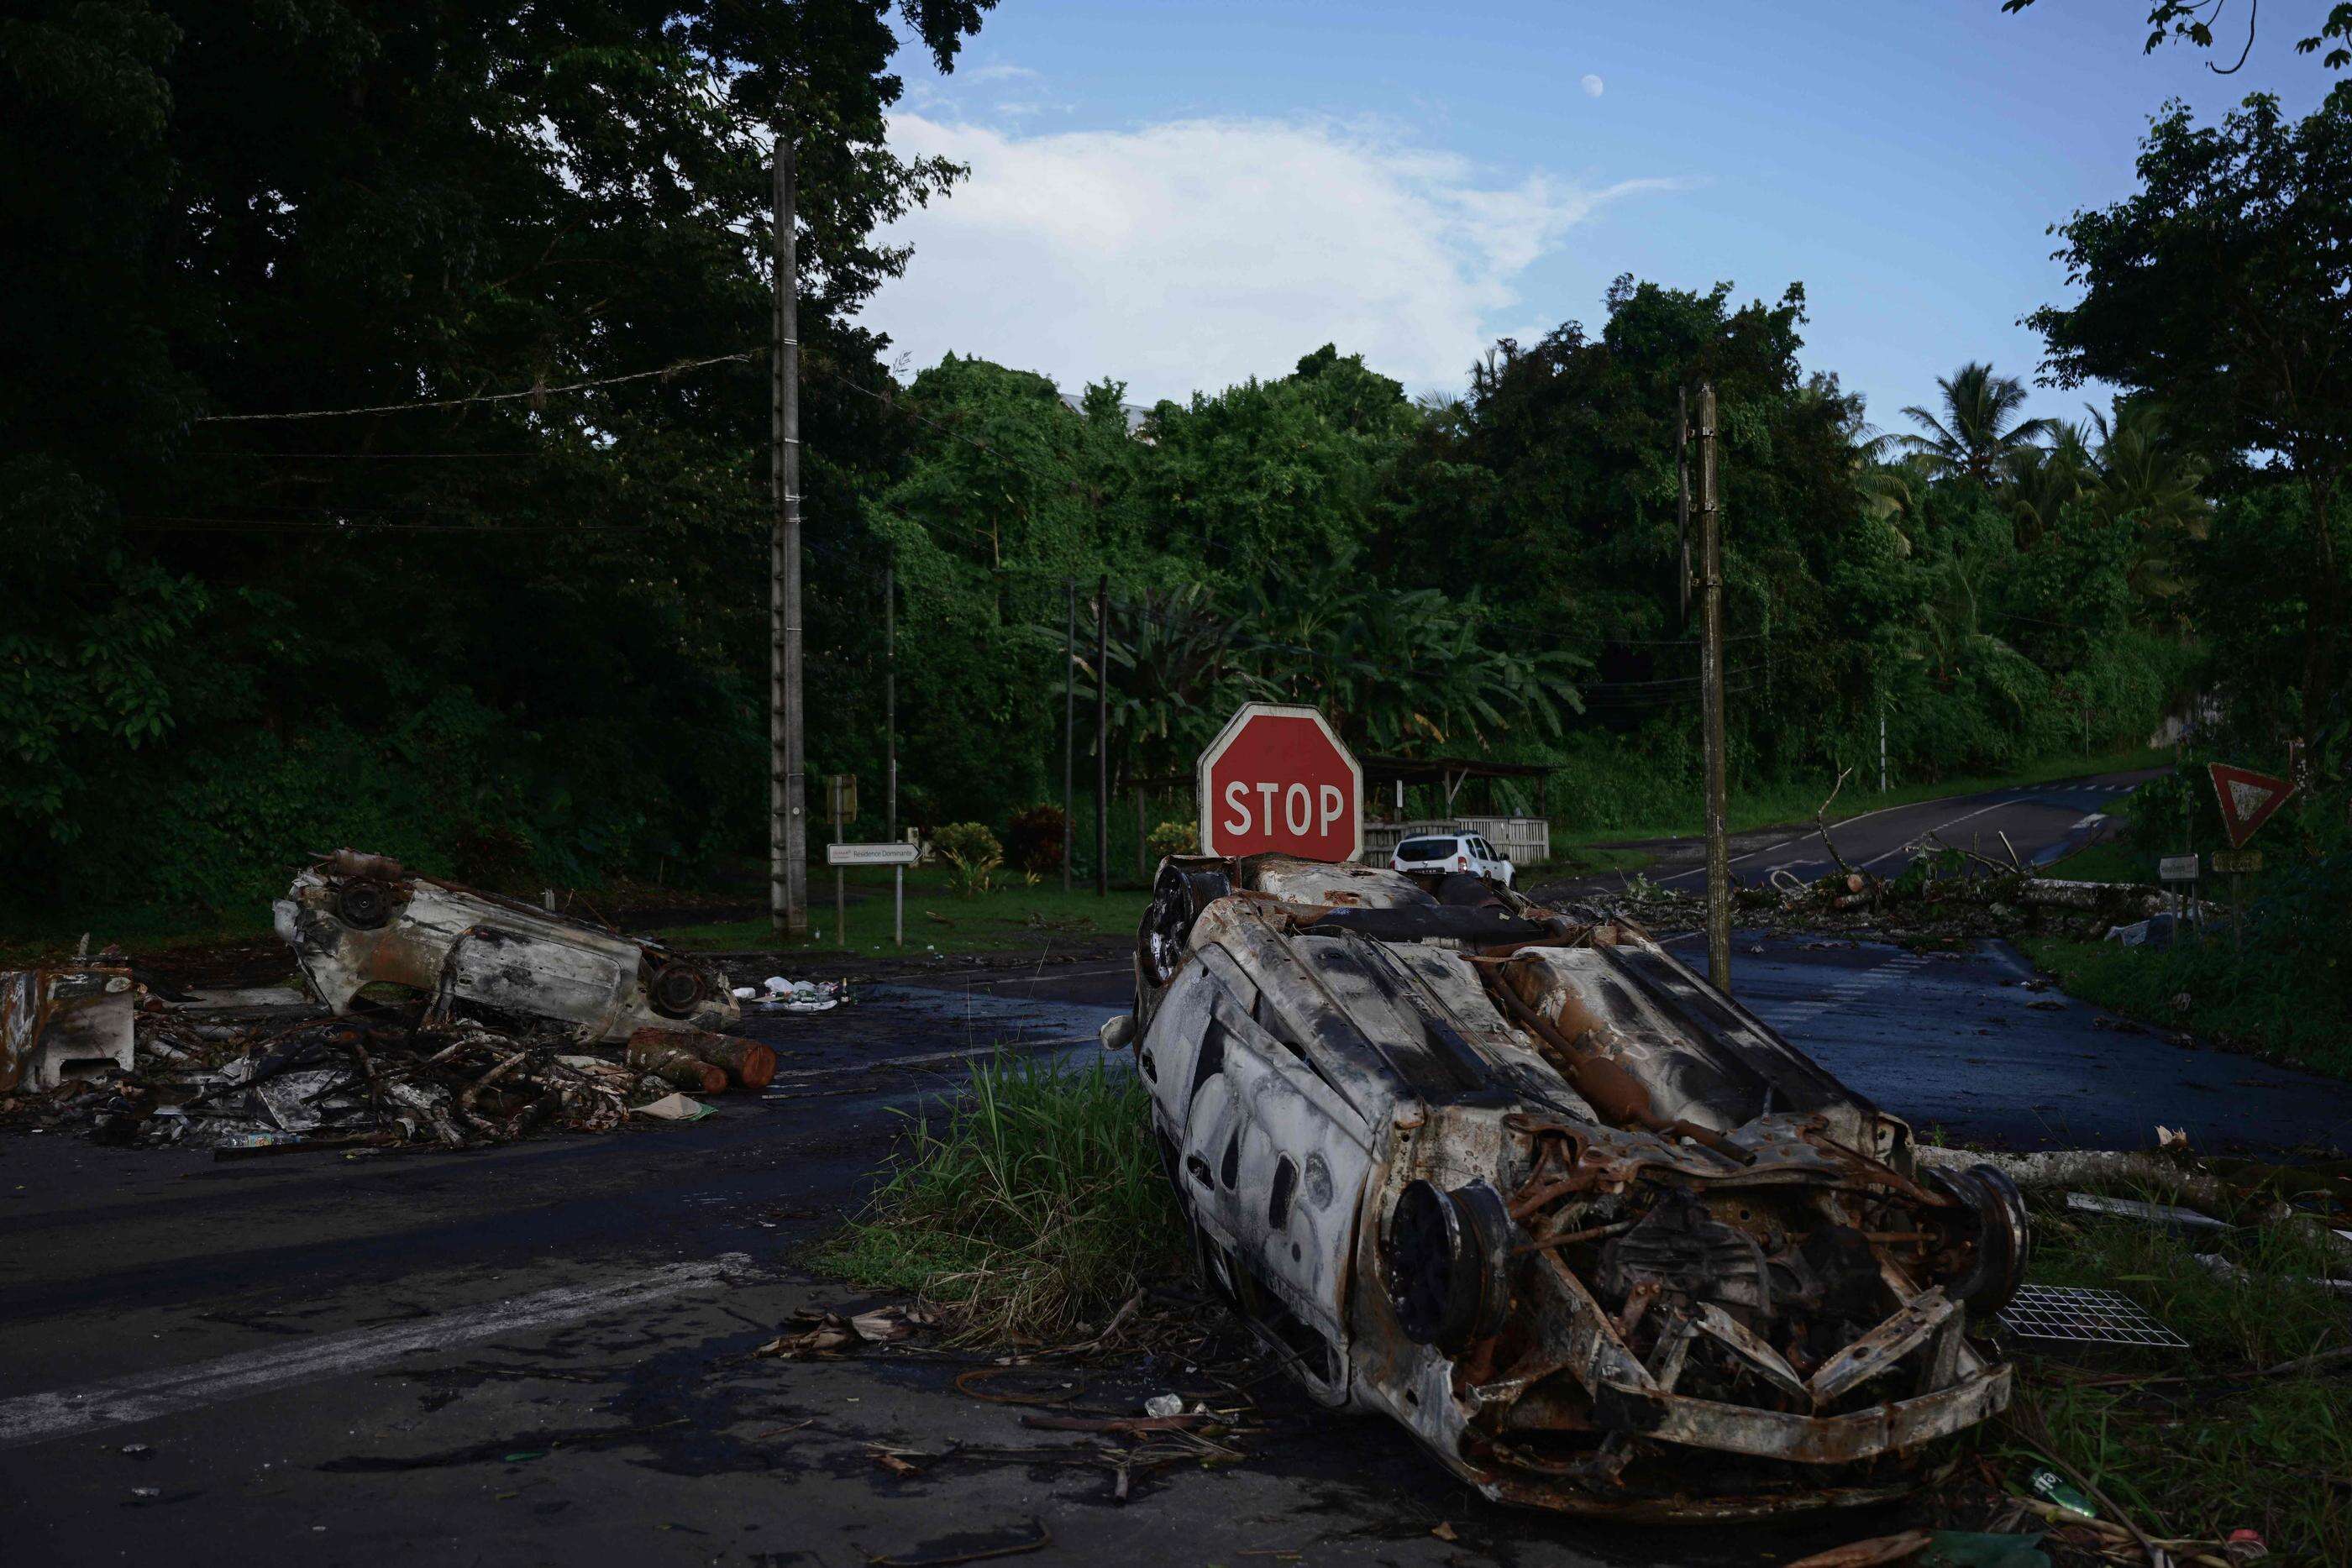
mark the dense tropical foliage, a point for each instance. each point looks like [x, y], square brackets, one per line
[526, 639]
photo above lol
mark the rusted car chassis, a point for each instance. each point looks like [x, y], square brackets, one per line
[356, 920]
[1601, 1239]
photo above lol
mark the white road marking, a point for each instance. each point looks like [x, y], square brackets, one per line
[1955, 823]
[146, 1395]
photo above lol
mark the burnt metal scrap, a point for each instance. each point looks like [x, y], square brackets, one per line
[1600, 1238]
[356, 920]
[63, 1020]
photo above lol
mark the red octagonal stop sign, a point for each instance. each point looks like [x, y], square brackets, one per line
[1276, 779]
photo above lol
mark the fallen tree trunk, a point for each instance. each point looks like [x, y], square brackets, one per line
[745, 1063]
[655, 1050]
[2058, 1168]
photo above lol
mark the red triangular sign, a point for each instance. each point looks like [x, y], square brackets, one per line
[2248, 799]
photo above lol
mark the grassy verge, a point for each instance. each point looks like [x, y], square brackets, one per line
[1771, 804]
[2181, 1439]
[138, 931]
[2266, 1003]
[1011, 915]
[1035, 1207]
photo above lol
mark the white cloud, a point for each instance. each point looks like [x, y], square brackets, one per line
[998, 72]
[1593, 86]
[1191, 255]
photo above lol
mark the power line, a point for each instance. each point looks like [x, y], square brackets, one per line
[167, 523]
[665, 372]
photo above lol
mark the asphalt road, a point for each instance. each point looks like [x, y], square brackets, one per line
[540, 1352]
[2043, 821]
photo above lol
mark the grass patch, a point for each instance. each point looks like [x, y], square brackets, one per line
[1780, 803]
[2202, 1458]
[2268, 1003]
[1036, 1205]
[1009, 917]
[139, 931]
[2113, 860]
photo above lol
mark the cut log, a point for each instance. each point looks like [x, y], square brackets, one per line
[746, 1063]
[658, 1052]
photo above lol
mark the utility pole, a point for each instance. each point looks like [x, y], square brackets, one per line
[890, 693]
[1069, 729]
[1102, 737]
[1709, 505]
[1881, 737]
[787, 766]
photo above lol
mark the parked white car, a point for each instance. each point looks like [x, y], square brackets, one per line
[1453, 851]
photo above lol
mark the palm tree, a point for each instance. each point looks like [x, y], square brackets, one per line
[1975, 437]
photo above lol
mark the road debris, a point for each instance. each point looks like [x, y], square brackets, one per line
[1596, 1235]
[358, 920]
[2082, 1316]
[826, 1334]
[795, 996]
[64, 1020]
[2181, 1221]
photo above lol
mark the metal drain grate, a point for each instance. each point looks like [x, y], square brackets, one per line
[2084, 1317]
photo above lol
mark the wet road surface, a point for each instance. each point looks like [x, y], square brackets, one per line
[2043, 821]
[540, 1352]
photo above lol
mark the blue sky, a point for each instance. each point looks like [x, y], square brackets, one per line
[1181, 194]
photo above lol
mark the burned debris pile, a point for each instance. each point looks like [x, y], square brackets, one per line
[452, 1018]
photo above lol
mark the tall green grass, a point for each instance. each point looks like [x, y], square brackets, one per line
[1034, 1206]
[2283, 1004]
[2217, 1453]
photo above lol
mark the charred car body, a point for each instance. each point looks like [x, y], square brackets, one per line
[356, 920]
[1522, 1181]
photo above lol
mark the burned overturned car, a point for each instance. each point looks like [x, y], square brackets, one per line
[356, 920]
[1524, 1182]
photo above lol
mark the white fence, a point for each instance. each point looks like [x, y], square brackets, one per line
[1523, 841]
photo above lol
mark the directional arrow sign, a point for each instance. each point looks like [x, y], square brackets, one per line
[2248, 799]
[1278, 778]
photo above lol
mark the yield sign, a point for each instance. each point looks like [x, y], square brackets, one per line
[2248, 799]
[1278, 778]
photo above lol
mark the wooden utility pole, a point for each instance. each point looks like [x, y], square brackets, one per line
[1069, 729]
[1102, 738]
[1708, 503]
[787, 768]
[890, 693]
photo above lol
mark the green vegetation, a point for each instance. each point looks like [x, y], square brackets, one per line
[1011, 916]
[2269, 1002]
[1029, 1212]
[2188, 1442]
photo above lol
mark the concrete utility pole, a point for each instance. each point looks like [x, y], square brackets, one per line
[787, 766]
[1069, 729]
[1709, 505]
[1102, 738]
[890, 693]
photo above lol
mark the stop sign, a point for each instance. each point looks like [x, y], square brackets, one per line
[1276, 779]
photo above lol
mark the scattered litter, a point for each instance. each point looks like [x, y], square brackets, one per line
[137, 1451]
[2056, 1489]
[147, 1491]
[1040, 1538]
[1164, 1405]
[674, 1108]
[797, 996]
[1443, 1531]
[1970, 1549]
[2181, 1220]
[819, 1332]
[2084, 1317]
[1869, 1553]
[2047, 1005]
[2245, 1546]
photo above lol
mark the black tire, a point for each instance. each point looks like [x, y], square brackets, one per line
[2002, 1231]
[1177, 900]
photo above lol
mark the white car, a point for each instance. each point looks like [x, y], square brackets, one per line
[1453, 851]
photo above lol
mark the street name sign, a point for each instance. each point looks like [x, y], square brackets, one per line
[1277, 780]
[2248, 799]
[870, 854]
[2177, 868]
